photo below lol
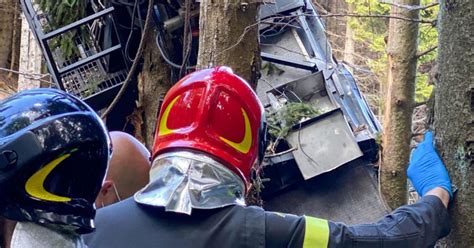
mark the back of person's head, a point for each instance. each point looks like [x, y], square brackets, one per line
[128, 169]
[54, 152]
[215, 112]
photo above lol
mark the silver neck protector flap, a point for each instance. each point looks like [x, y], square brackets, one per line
[186, 180]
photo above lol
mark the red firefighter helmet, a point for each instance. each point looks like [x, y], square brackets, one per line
[216, 112]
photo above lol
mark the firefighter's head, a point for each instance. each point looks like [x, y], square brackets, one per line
[54, 152]
[215, 112]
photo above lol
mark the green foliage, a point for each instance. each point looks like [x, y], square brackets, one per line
[427, 38]
[61, 13]
[91, 88]
[284, 119]
[423, 89]
[272, 69]
[371, 33]
[378, 139]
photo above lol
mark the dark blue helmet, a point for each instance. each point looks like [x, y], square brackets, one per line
[54, 153]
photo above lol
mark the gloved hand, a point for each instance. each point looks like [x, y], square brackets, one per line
[426, 170]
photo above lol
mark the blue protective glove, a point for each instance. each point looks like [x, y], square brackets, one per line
[426, 170]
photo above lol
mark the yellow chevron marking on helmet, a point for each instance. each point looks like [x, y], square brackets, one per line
[164, 130]
[35, 184]
[246, 143]
[316, 234]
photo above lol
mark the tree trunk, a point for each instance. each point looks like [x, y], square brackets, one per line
[228, 35]
[31, 58]
[402, 46]
[349, 44]
[8, 9]
[153, 83]
[7, 13]
[454, 117]
[16, 37]
[336, 26]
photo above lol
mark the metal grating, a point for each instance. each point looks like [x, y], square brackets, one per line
[85, 56]
[91, 79]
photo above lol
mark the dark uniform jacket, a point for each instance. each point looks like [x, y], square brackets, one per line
[128, 224]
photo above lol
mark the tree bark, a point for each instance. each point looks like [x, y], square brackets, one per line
[153, 83]
[453, 115]
[402, 47]
[336, 26]
[228, 35]
[31, 58]
[9, 45]
[7, 13]
[16, 37]
[349, 43]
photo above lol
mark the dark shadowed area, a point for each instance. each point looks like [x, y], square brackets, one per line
[348, 194]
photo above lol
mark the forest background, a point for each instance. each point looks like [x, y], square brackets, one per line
[359, 32]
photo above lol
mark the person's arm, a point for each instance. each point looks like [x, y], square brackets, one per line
[417, 225]
[441, 193]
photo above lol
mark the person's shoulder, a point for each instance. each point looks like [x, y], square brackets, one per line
[115, 211]
[112, 220]
[248, 209]
[260, 210]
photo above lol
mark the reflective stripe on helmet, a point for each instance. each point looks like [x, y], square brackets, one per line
[316, 233]
[35, 184]
[246, 143]
[163, 129]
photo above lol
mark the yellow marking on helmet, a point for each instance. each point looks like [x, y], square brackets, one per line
[316, 234]
[164, 130]
[35, 184]
[246, 143]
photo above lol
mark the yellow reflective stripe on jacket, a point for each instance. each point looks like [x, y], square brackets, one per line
[316, 233]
